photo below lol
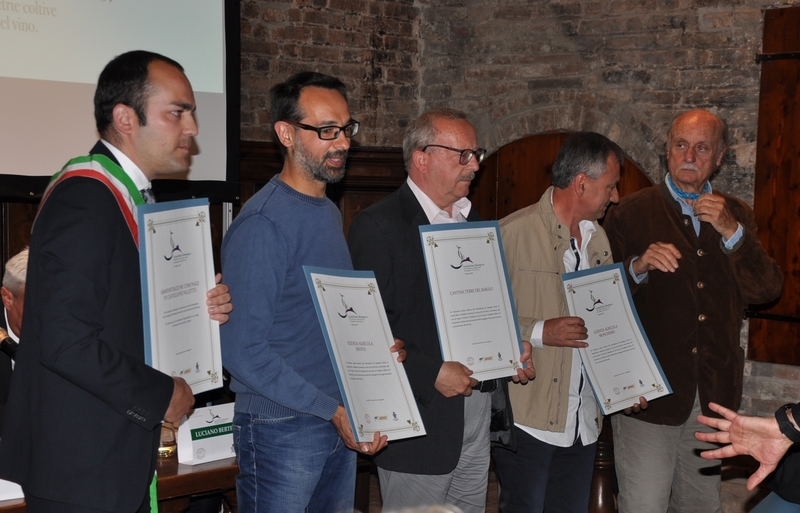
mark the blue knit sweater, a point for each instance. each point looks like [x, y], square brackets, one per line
[273, 344]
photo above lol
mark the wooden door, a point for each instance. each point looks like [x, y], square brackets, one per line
[775, 331]
[517, 175]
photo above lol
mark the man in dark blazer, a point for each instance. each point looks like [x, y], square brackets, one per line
[83, 417]
[451, 463]
[12, 293]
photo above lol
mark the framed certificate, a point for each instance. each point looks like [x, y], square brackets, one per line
[619, 361]
[374, 385]
[9, 490]
[472, 299]
[177, 269]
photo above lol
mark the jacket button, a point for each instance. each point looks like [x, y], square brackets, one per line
[701, 317]
[605, 253]
[555, 380]
[700, 285]
[700, 252]
[694, 350]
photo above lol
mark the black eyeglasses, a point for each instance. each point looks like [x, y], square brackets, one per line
[329, 133]
[466, 155]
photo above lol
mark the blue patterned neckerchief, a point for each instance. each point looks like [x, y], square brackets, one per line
[687, 195]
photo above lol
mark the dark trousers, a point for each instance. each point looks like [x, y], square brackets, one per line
[543, 478]
[37, 505]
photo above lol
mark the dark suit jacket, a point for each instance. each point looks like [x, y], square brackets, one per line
[84, 410]
[5, 371]
[385, 238]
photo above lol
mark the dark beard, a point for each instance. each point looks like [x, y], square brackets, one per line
[319, 171]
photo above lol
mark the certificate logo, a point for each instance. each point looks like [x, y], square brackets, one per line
[598, 307]
[175, 248]
[209, 417]
[595, 302]
[462, 259]
[347, 309]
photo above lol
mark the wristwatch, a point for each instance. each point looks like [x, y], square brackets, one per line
[785, 425]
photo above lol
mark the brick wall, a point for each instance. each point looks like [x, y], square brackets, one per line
[371, 45]
[623, 68]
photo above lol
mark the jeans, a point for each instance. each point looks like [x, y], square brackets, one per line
[774, 504]
[292, 465]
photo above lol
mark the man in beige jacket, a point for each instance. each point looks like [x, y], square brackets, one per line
[556, 415]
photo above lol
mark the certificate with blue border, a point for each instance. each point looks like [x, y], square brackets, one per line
[472, 299]
[619, 361]
[176, 264]
[374, 386]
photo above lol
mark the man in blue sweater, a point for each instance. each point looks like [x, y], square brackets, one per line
[291, 431]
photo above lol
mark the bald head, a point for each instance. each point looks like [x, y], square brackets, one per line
[702, 117]
[697, 143]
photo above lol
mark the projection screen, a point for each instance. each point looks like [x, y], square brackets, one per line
[54, 50]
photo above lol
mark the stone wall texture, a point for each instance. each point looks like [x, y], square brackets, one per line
[623, 68]
[371, 45]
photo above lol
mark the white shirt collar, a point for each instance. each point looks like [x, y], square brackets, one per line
[11, 333]
[127, 165]
[436, 215]
[587, 229]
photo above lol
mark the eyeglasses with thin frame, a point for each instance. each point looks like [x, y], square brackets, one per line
[465, 155]
[331, 132]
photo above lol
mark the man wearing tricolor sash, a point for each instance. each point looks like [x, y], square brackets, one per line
[84, 411]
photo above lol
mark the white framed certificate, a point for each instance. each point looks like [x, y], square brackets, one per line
[176, 263]
[373, 383]
[9, 491]
[619, 361]
[472, 300]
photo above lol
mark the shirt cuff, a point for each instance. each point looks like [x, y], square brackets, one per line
[730, 243]
[536, 335]
[637, 278]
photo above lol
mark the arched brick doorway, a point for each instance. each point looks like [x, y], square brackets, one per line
[517, 175]
[514, 177]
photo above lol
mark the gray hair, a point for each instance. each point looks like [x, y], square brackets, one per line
[584, 152]
[16, 268]
[422, 132]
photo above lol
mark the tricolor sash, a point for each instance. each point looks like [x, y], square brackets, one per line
[105, 170]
